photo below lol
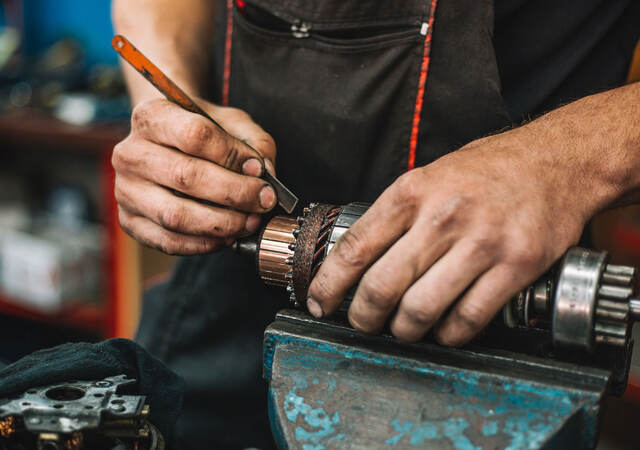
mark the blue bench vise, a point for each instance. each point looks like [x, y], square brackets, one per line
[535, 378]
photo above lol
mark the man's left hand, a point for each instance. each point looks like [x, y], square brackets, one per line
[448, 244]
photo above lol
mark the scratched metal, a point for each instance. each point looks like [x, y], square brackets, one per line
[331, 391]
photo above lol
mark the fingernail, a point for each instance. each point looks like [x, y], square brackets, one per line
[314, 308]
[267, 197]
[252, 167]
[253, 223]
[269, 166]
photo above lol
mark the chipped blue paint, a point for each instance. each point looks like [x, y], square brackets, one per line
[452, 429]
[490, 428]
[318, 419]
[522, 413]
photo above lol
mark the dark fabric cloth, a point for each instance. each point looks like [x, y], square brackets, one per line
[551, 52]
[84, 361]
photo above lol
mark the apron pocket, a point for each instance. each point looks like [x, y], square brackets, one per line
[339, 36]
[337, 98]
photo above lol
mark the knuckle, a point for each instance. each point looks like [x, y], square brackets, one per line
[266, 145]
[118, 192]
[171, 245]
[141, 114]
[421, 313]
[359, 322]
[186, 174]
[207, 245]
[449, 211]
[377, 292]
[172, 218]
[406, 187]
[241, 195]
[198, 132]
[227, 226]
[351, 249]
[166, 246]
[237, 115]
[470, 315]
[482, 247]
[123, 218]
[119, 156]
[529, 254]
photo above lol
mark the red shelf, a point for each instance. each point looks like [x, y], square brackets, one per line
[80, 316]
[116, 315]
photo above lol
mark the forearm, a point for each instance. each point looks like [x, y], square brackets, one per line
[593, 147]
[175, 35]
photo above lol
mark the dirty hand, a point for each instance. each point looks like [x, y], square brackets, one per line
[172, 149]
[449, 243]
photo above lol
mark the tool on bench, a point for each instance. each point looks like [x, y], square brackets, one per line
[286, 199]
[534, 378]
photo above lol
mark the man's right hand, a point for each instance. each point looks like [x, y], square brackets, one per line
[172, 149]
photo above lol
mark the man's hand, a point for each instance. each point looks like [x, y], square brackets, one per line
[448, 244]
[172, 149]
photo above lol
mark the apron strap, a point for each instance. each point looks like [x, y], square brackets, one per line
[427, 29]
[226, 75]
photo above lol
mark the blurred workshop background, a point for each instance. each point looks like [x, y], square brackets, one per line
[67, 271]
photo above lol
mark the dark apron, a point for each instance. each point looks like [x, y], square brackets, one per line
[358, 93]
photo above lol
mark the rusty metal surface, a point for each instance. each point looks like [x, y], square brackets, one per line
[330, 387]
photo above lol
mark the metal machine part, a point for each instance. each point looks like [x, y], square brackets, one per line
[324, 378]
[584, 301]
[78, 415]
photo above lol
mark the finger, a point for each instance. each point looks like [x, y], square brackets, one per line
[194, 176]
[354, 252]
[430, 296]
[179, 214]
[240, 125]
[478, 306]
[169, 242]
[169, 125]
[389, 277]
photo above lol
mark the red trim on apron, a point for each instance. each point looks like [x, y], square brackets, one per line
[226, 74]
[424, 71]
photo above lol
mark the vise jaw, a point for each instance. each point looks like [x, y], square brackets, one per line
[331, 387]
